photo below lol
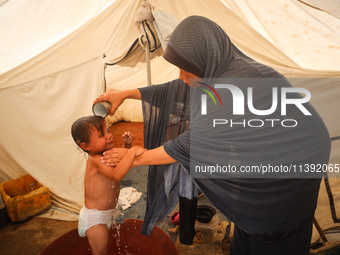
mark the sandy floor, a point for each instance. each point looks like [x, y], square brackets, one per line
[31, 236]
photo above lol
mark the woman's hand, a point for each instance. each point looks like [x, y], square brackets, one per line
[115, 97]
[114, 156]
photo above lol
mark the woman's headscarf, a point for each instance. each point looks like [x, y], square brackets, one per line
[198, 45]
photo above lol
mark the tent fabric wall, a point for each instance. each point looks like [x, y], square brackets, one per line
[302, 31]
[51, 76]
[36, 132]
[29, 28]
[98, 34]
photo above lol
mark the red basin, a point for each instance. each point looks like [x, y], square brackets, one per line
[127, 241]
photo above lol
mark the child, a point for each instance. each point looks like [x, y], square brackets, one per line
[101, 182]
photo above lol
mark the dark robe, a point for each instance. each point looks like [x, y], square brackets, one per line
[268, 208]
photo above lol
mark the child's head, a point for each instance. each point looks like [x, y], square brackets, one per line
[90, 134]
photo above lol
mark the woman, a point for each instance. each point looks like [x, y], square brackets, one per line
[271, 215]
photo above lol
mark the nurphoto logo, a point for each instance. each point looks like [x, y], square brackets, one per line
[279, 98]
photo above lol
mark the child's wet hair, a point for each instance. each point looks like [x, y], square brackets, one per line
[81, 128]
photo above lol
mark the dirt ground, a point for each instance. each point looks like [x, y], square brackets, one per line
[31, 236]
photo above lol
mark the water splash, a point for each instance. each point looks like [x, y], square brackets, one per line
[116, 226]
[117, 236]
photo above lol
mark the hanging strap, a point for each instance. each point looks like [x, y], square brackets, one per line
[149, 36]
[331, 199]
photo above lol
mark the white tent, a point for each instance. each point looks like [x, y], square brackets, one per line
[52, 56]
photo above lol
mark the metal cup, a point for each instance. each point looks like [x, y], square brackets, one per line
[102, 109]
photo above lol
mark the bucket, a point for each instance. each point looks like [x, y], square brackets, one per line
[206, 224]
[125, 238]
[205, 213]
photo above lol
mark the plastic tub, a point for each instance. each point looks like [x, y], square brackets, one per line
[125, 238]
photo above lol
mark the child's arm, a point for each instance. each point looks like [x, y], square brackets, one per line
[118, 173]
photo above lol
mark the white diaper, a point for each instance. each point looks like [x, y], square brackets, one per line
[91, 217]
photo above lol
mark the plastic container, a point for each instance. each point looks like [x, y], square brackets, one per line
[206, 224]
[125, 238]
[102, 109]
[24, 198]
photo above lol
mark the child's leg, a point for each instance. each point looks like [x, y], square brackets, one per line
[98, 237]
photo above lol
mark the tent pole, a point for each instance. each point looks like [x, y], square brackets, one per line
[148, 66]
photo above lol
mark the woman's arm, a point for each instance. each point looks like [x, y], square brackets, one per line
[156, 156]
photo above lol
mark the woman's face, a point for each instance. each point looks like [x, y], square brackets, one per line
[189, 78]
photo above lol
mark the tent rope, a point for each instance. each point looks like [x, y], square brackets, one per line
[331, 199]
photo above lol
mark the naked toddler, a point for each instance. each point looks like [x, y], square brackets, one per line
[102, 185]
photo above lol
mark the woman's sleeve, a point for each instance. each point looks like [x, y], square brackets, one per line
[179, 149]
[165, 112]
[154, 94]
